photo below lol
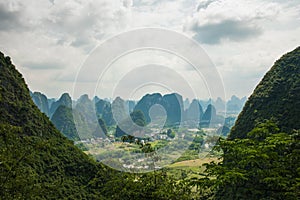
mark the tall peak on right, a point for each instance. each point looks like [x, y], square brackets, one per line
[276, 97]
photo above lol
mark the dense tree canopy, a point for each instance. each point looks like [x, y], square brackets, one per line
[276, 96]
[63, 120]
[36, 161]
[266, 165]
[259, 161]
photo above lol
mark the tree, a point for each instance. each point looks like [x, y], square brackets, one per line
[170, 133]
[36, 160]
[263, 166]
[63, 120]
[276, 96]
[197, 143]
[128, 138]
[16, 180]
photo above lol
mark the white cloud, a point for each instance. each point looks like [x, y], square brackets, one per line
[49, 40]
[166, 13]
[216, 21]
[127, 3]
[55, 36]
[244, 38]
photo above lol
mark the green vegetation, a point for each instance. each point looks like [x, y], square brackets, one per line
[261, 160]
[266, 165]
[36, 161]
[63, 120]
[170, 133]
[64, 100]
[158, 185]
[277, 96]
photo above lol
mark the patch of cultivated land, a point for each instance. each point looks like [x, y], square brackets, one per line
[190, 168]
[193, 163]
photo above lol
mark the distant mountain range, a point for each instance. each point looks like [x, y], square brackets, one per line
[49, 105]
[38, 162]
[66, 113]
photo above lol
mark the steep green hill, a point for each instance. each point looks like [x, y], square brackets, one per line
[276, 97]
[64, 100]
[63, 120]
[41, 101]
[103, 110]
[36, 161]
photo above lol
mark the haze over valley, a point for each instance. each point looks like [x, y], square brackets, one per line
[162, 100]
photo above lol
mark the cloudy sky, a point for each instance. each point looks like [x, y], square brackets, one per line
[50, 40]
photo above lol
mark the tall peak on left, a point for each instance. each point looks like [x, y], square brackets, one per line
[33, 150]
[16, 106]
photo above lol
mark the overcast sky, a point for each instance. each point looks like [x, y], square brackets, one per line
[49, 40]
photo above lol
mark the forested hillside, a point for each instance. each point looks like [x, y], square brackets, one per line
[261, 160]
[277, 96]
[36, 161]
